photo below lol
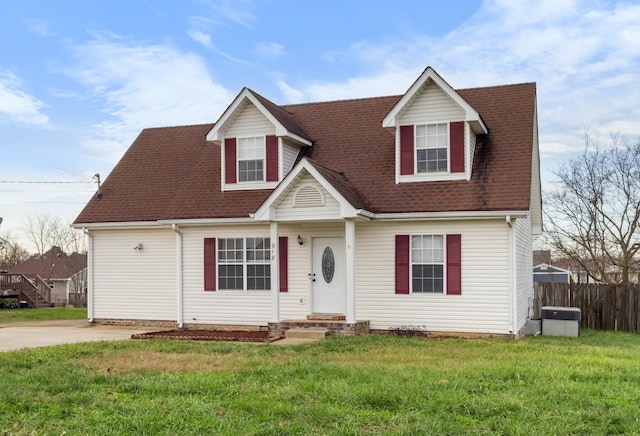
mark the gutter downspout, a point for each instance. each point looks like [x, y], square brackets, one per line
[89, 274]
[180, 308]
[512, 277]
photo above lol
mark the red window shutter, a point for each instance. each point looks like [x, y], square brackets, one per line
[230, 161]
[272, 158]
[406, 150]
[210, 264]
[283, 251]
[402, 264]
[456, 141]
[454, 264]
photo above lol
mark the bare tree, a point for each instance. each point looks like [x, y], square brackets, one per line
[594, 213]
[11, 253]
[54, 239]
[46, 232]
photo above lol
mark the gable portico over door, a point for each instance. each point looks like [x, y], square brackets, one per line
[328, 275]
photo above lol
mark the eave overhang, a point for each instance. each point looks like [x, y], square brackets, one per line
[391, 120]
[216, 134]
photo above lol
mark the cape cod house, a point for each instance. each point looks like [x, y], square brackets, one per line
[410, 210]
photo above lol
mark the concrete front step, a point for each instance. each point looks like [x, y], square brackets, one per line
[326, 317]
[306, 333]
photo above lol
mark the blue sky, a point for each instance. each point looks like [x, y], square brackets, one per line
[80, 79]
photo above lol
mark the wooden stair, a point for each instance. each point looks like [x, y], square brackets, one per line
[36, 293]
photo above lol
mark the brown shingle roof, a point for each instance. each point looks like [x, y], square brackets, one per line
[174, 173]
[51, 266]
[285, 118]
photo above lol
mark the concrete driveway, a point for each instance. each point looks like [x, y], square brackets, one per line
[31, 334]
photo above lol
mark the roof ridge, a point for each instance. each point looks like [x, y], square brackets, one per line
[377, 97]
[318, 164]
[495, 86]
[179, 126]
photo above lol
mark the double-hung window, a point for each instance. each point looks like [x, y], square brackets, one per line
[432, 147]
[427, 263]
[244, 264]
[251, 159]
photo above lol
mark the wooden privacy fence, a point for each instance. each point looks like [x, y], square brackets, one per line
[603, 306]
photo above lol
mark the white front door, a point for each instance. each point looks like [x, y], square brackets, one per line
[328, 275]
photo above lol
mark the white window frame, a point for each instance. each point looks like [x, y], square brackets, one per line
[264, 252]
[443, 262]
[427, 146]
[243, 142]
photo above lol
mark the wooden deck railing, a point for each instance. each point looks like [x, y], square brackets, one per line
[36, 293]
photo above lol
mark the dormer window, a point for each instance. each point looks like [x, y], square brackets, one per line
[251, 159]
[435, 132]
[432, 145]
[432, 151]
[251, 162]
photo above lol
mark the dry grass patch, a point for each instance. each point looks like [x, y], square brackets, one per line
[414, 352]
[128, 362]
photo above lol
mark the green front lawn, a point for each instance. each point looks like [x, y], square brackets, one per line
[351, 386]
[48, 314]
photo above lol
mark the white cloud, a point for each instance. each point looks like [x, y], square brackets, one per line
[17, 104]
[269, 50]
[583, 55]
[40, 28]
[144, 86]
[238, 11]
[205, 40]
[291, 95]
[201, 37]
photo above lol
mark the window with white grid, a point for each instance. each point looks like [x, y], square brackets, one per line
[427, 263]
[244, 264]
[251, 159]
[432, 145]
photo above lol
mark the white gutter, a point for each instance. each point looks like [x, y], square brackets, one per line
[121, 225]
[251, 219]
[159, 223]
[89, 274]
[204, 221]
[180, 307]
[445, 215]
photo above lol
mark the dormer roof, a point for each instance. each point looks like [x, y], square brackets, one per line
[174, 173]
[285, 124]
[429, 75]
[335, 183]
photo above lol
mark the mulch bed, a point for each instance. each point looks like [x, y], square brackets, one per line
[209, 335]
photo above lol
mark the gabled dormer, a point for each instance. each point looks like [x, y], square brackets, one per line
[435, 132]
[259, 142]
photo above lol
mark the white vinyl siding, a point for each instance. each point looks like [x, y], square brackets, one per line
[134, 284]
[472, 149]
[289, 156]
[289, 209]
[483, 306]
[142, 284]
[431, 106]
[219, 307]
[250, 122]
[524, 268]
